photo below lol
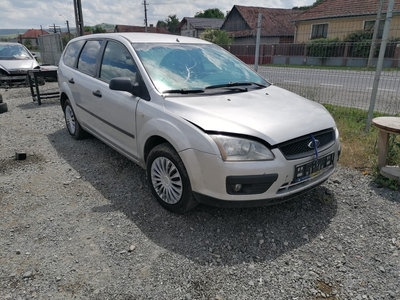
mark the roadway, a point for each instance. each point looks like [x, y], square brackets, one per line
[340, 87]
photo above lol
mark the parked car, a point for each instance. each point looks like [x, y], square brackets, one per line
[15, 61]
[204, 126]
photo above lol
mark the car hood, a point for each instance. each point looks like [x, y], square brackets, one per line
[272, 114]
[23, 64]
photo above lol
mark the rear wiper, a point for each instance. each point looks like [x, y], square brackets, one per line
[233, 84]
[183, 91]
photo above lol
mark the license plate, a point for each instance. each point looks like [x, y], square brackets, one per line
[313, 168]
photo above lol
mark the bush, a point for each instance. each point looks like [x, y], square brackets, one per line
[323, 47]
[360, 43]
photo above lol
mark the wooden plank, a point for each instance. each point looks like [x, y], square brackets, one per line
[391, 172]
[389, 124]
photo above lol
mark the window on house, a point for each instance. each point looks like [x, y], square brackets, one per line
[319, 31]
[369, 26]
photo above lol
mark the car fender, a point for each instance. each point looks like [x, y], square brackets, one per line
[181, 134]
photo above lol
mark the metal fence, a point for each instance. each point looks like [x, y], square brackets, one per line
[51, 48]
[333, 69]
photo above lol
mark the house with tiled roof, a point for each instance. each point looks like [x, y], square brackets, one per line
[131, 28]
[338, 18]
[276, 26]
[31, 37]
[194, 27]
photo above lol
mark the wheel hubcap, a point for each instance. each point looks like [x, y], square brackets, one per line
[166, 180]
[70, 119]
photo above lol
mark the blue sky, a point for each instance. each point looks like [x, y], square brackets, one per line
[33, 13]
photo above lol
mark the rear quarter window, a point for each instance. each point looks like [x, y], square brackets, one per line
[72, 52]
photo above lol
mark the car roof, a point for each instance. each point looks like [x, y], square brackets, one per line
[145, 37]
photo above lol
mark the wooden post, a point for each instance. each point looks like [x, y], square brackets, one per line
[345, 54]
[383, 141]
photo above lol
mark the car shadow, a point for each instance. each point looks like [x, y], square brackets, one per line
[206, 235]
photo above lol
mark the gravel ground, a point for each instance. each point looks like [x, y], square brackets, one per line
[78, 221]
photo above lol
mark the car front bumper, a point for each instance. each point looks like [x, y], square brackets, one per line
[267, 181]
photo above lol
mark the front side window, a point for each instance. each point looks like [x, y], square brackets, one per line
[193, 66]
[117, 62]
[88, 58]
[72, 52]
[319, 31]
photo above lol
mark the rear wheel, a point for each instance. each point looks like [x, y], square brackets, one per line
[168, 179]
[73, 126]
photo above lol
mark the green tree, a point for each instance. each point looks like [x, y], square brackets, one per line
[171, 24]
[98, 29]
[216, 36]
[87, 29]
[308, 6]
[210, 13]
[28, 44]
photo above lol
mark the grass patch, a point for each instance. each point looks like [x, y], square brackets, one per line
[359, 148]
[330, 67]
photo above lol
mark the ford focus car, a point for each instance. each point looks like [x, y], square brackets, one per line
[15, 62]
[204, 126]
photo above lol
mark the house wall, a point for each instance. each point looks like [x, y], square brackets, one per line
[235, 22]
[341, 27]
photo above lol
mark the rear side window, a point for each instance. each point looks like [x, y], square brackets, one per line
[117, 62]
[72, 52]
[88, 58]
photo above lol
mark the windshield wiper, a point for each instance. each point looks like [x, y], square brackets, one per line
[234, 84]
[183, 91]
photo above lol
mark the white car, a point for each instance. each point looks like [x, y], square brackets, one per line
[204, 126]
[15, 62]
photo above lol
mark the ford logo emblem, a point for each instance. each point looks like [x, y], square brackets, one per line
[311, 144]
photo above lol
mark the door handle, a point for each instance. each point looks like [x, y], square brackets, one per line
[71, 81]
[97, 93]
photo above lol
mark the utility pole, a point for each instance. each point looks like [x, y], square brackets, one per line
[375, 34]
[257, 54]
[145, 15]
[78, 17]
[69, 32]
[379, 66]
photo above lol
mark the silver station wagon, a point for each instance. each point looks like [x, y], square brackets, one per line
[206, 128]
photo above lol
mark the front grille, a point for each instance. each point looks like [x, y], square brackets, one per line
[299, 147]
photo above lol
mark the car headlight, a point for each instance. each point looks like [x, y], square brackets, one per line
[336, 133]
[240, 149]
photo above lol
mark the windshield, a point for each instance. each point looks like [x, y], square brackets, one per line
[193, 66]
[13, 52]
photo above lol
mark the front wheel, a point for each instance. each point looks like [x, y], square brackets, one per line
[168, 179]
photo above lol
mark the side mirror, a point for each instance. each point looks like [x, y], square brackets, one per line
[121, 84]
[125, 84]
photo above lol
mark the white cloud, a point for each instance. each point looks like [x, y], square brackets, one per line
[32, 14]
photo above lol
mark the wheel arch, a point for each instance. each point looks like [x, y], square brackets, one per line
[63, 100]
[152, 142]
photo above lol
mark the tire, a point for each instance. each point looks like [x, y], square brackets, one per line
[73, 126]
[3, 107]
[168, 179]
